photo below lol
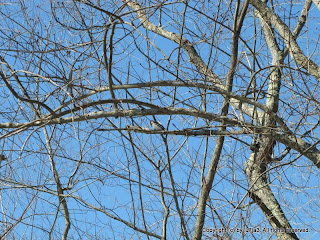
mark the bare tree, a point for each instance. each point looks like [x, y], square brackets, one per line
[231, 90]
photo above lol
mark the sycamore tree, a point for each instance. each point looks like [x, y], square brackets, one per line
[233, 83]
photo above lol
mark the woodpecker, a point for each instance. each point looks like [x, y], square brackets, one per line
[2, 158]
[157, 126]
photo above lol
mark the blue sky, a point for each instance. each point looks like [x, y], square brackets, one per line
[32, 42]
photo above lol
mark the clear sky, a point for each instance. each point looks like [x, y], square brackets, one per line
[60, 57]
